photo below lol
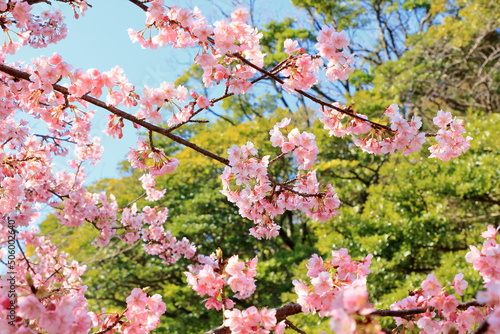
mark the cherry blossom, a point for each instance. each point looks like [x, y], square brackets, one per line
[259, 198]
[337, 290]
[252, 320]
[211, 278]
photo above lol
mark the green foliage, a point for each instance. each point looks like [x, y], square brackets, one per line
[421, 215]
[342, 14]
[415, 4]
[275, 34]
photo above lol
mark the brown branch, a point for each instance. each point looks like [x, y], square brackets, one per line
[482, 328]
[289, 324]
[24, 255]
[111, 326]
[215, 100]
[151, 127]
[347, 111]
[281, 314]
[272, 74]
[139, 4]
[402, 313]
[55, 139]
[293, 308]
[287, 188]
[277, 158]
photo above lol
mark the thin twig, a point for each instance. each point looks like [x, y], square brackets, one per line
[24, 256]
[289, 324]
[482, 328]
[110, 327]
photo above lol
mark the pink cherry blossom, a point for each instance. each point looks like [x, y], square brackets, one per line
[431, 286]
[30, 307]
[459, 284]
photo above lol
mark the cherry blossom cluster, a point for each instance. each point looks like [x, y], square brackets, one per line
[51, 294]
[332, 121]
[147, 225]
[299, 72]
[22, 27]
[303, 144]
[300, 68]
[451, 142]
[48, 71]
[406, 139]
[117, 89]
[143, 312]
[251, 320]
[330, 42]
[210, 277]
[443, 314]
[405, 134]
[156, 162]
[28, 178]
[51, 297]
[27, 175]
[487, 260]
[491, 298]
[247, 184]
[337, 289]
[158, 241]
[151, 158]
[180, 27]
[184, 28]
[78, 206]
[153, 100]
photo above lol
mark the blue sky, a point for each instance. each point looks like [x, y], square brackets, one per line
[100, 40]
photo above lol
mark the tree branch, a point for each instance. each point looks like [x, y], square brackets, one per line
[293, 308]
[139, 4]
[281, 314]
[346, 111]
[151, 127]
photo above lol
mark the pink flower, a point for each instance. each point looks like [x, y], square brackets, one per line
[392, 111]
[339, 40]
[428, 325]
[202, 102]
[493, 318]
[355, 299]
[291, 46]
[490, 233]
[322, 283]
[450, 304]
[442, 119]
[459, 284]
[268, 318]
[30, 307]
[342, 323]
[137, 299]
[431, 286]
[50, 321]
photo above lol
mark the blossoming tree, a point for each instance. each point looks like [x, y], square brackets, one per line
[44, 293]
